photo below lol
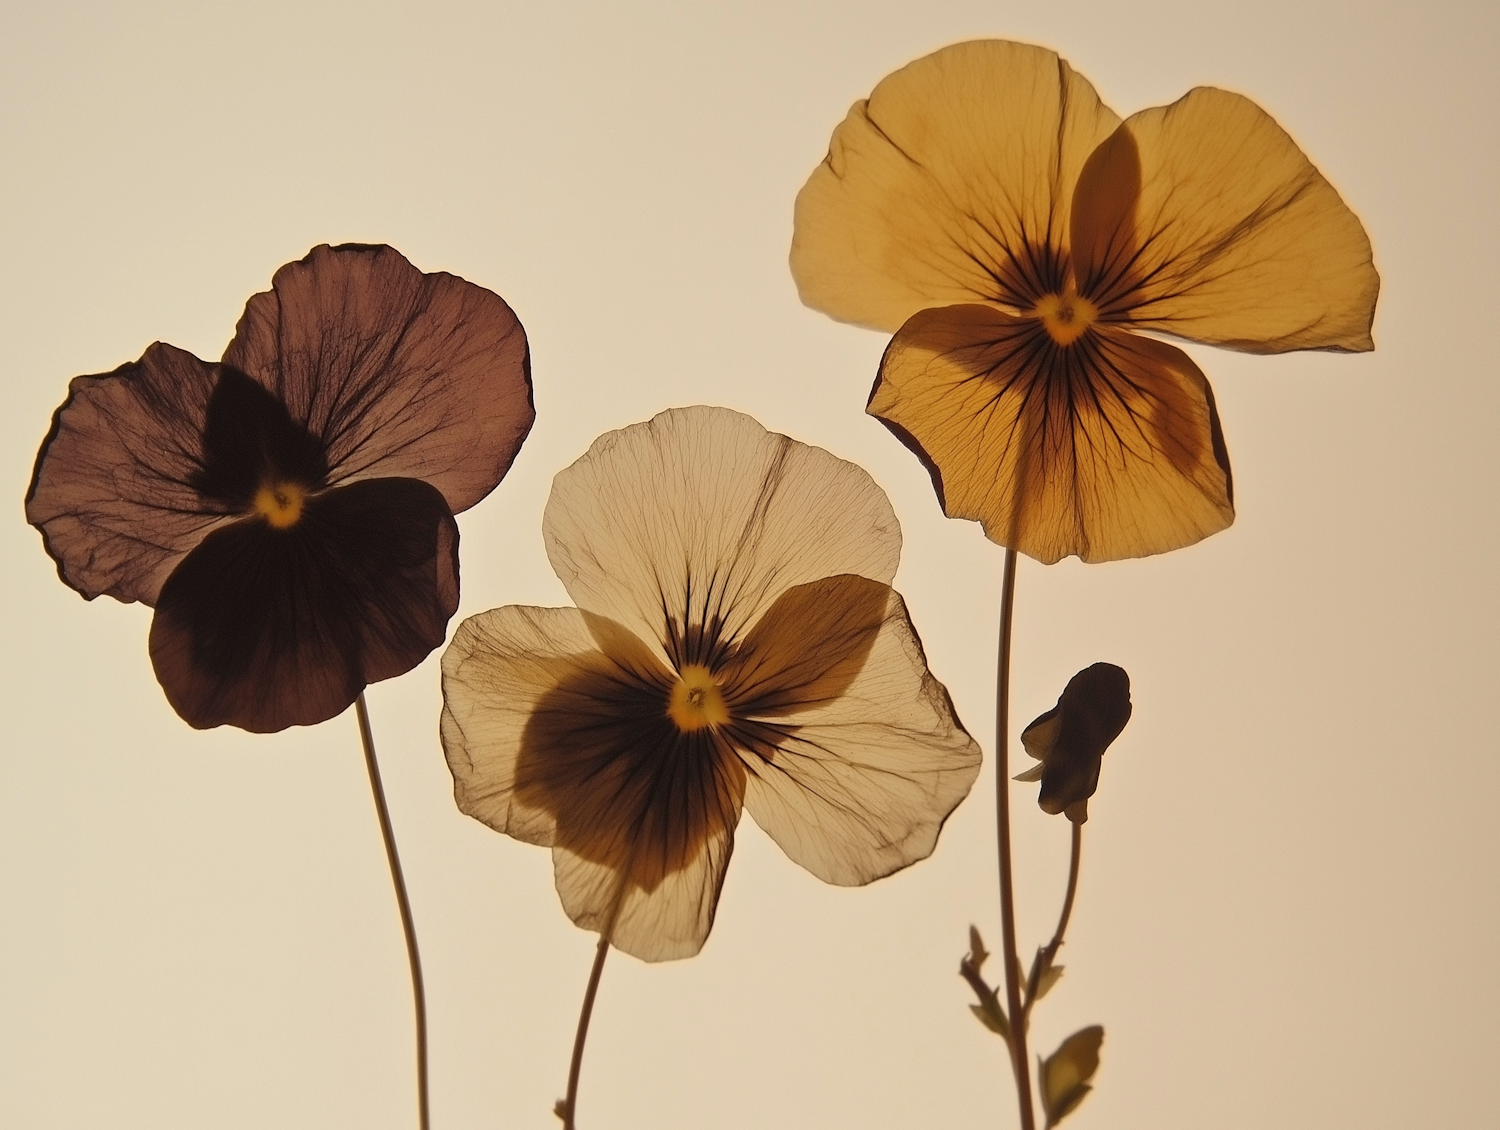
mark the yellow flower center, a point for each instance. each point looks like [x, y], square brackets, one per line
[696, 700]
[280, 503]
[1066, 316]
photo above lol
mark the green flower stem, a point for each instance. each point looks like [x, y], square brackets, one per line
[1049, 954]
[1019, 1060]
[570, 1104]
[419, 996]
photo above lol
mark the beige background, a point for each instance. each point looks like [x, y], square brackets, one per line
[1288, 915]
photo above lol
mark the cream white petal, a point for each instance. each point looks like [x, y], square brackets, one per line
[701, 516]
[666, 922]
[854, 781]
[498, 668]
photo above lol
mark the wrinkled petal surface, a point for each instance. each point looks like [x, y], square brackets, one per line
[854, 755]
[702, 517]
[265, 628]
[1107, 448]
[556, 730]
[396, 372]
[112, 492]
[1239, 241]
[951, 184]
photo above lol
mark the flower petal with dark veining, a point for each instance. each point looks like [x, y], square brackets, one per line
[1106, 448]
[396, 372]
[265, 628]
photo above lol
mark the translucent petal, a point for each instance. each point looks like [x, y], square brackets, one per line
[265, 628]
[665, 922]
[701, 516]
[500, 666]
[1107, 448]
[1239, 241]
[555, 728]
[853, 778]
[113, 489]
[951, 184]
[396, 372]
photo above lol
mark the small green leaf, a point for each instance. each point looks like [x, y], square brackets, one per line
[1050, 976]
[1065, 1074]
[992, 1016]
[977, 953]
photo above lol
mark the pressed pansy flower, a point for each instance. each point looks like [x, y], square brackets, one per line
[288, 511]
[1019, 236]
[1069, 740]
[736, 643]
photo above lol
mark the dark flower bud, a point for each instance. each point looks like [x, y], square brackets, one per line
[1070, 739]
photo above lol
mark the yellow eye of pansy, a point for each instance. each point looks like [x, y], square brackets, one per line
[280, 504]
[1065, 316]
[696, 700]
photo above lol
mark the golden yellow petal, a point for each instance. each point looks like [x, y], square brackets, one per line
[856, 785]
[701, 516]
[1106, 448]
[1240, 241]
[951, 183]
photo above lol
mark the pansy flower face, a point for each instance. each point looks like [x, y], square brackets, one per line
[984, 203]
[288, 511]
[736, 644]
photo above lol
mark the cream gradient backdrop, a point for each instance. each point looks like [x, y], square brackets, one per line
[1288, 914]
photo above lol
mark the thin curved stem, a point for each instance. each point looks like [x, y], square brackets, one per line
[570, 1104]
[419, 995]
[1049, 954]
[1019, 1060]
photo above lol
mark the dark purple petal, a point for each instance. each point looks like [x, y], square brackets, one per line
[1070, 739]
[265, 628]
[250, 441]
[113, 490]
[396, 372]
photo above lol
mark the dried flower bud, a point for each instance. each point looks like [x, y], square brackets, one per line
[1070, 739]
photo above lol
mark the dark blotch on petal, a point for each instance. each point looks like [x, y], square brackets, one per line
[1070, 739]
[266, 628]
[626, 787]
[250, 440]
[808, 648]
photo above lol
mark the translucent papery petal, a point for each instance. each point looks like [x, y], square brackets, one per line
[556, 731]
[112, 490]
[1240, 241]
[946, 184]
[265, 628]
[702, 517]
[397, 372]
[501, 668]
[1108, 448]
[857, 785]
[666, 922]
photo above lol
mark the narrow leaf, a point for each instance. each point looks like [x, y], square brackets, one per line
[977, 953]
[1050, 976]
